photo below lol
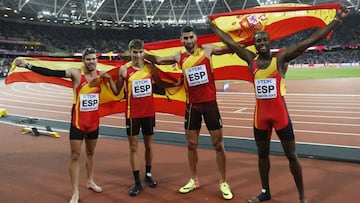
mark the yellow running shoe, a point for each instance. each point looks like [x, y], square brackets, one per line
[190, 186]
[226, 191]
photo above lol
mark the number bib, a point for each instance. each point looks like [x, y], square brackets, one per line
[266, 88]
[141, 88]
[89, 102]
[196, 75]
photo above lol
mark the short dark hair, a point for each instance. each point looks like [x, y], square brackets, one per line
[136, 44]
[187, 28]
[88, 51]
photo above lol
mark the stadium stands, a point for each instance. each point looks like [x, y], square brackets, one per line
[38, 39]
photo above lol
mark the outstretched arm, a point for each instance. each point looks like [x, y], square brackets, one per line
[294, 51]
[239, 49]
[44, 71]
[166, 60]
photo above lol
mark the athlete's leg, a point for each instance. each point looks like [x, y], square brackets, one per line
[192, 137]
[295, 166]
[135, 165]
[74, 168]
[148, 160]
[213, 123]
[262, 138]
[133, 149]
[148, 149]
[147, 126]
[90, 152]
[217, 141]
[132, 131]
[286, 135]
[264, 161]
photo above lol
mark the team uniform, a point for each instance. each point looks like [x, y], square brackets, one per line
[140, 108]
[85, 110]
[201, 91]
[270, 111]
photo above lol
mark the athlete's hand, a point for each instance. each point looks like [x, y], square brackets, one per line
[20, 63]
[180, 81]
[342, 12]
[105, 75]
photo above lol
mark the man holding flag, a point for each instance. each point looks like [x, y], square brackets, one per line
[84, 117]
[199, 82]
[137, 76]
[269, 71]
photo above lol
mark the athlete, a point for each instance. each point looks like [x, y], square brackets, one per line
[199, 83]
[271, 112]
[84, 116]
[138, 77]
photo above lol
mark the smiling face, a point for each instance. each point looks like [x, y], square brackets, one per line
[262, 42]
[136, 48]
[137, 56]
[90, 61]
[189, 41]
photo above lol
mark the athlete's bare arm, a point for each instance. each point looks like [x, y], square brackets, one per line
[73, 73]
[163, 60]
[294, 51]
[239, 49]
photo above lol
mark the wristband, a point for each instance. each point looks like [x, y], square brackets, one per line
[28, 66]
[336, 18]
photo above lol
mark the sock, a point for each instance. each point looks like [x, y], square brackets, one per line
[136, 177]
[148, 170]
[265, 190]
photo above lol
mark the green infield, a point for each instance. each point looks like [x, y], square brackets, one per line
[318, 73]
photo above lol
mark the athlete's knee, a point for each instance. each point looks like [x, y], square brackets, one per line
[263, 153]
[75, 156]
[90, 153]
[191, 146]
[218, 146]
[291, 156]
[133, 147]
[148, 147]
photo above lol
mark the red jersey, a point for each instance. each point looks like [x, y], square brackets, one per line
[85, 112]
[270, 110]
[139, 95]
[199, 77]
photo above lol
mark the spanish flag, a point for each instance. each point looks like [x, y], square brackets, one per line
[279, 20]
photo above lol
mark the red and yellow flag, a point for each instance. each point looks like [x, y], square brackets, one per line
[279, 20]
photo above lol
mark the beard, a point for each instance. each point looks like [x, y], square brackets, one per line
[90, 67]
[190, 47]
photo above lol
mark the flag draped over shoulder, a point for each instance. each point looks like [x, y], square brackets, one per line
[279, 20]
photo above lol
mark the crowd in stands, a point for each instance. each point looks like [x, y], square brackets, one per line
[72, 39]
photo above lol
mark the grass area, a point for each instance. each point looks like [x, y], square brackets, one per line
[319, 73]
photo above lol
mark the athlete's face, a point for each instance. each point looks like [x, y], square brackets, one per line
[262, 42]
[137, 55]
[90, 62]
[189, 41]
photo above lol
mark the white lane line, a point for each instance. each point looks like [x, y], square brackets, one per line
[299, 115]
[300, 122]
[35, 110]
[240, 110]
[290, 105]
[225, 126]
[41, 104]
